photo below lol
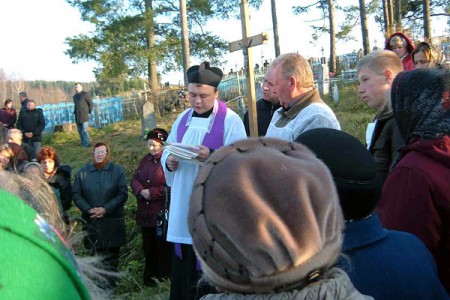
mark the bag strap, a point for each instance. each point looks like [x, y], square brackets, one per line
[166, 198]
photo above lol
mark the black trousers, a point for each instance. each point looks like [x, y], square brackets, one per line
[185, 275]
[157, 254]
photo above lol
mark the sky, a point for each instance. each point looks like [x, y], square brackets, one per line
[32, 35]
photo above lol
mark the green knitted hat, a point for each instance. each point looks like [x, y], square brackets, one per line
[35, 262]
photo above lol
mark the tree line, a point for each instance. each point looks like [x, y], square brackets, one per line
[48, 92]
[144, 38]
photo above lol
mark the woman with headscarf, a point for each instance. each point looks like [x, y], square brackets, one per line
[58, 176]
[100, 192]
[426, 56]
[416, 194]
[149, 186]
[401, 45]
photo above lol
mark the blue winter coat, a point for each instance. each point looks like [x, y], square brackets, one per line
[387, 264]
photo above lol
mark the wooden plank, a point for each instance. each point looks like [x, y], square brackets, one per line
[252, 41]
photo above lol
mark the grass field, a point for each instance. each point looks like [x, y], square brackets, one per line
[127, 149]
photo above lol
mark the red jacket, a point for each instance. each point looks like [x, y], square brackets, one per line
[416, 198]
[149, 175]
[8, 116]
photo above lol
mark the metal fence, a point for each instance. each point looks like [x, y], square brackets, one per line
[105, 111]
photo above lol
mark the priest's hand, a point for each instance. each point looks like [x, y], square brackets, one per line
[171, 163]
[203, 152]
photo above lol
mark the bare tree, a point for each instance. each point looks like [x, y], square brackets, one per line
[426, 20]
[152, 71]
[184, 39]
[398, 15]
[332, 36]
[3, 81]
[276, 38]
[389, 17]
[364, 29]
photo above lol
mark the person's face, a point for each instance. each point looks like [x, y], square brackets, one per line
[154, 147]
[4, 159]
[48, 165]
[282, 87]
[399, 49]
[100, 154]
[420, 61]
[267, 87]
[78, 88]
[9, 105]
[373, 87]
[31, 105]
[202, 97]
[14, 138]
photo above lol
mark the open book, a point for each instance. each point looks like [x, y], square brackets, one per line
[183, 152]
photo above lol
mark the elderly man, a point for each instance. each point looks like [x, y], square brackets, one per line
[302, 109]
[265, 107]
[208, 125]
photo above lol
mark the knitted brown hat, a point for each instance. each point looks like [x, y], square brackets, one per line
[264, 215]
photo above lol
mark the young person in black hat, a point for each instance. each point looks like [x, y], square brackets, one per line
[384, 264]
[208, 125]
[148, 185]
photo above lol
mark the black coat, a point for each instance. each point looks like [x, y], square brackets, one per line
[83, 106]
[102, 188]
[61, 182]
[386, 140]
[31, 121]
[264, 111]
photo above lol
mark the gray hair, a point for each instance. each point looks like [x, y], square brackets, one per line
[293, 64]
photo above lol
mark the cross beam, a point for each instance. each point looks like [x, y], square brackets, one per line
[246, 44]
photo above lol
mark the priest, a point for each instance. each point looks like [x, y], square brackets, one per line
[209, 125]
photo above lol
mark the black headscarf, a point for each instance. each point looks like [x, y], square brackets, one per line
[421, 104]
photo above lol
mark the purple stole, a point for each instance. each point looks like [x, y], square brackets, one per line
[214, 136]
[213, 139]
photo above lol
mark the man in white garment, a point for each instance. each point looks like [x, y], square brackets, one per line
[209, 125]
[301, 107]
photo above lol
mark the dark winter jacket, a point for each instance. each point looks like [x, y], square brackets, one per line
[386, 140]
[20, 157]
[31, 121]
[83, 106]
[61, 181]
[264, 111]
[149, 175]
[102, 188]
[387, 264]
[23, 105]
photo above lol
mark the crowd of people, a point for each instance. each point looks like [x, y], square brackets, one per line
[304, 211]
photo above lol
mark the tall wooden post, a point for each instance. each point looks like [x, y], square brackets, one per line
[245, 45]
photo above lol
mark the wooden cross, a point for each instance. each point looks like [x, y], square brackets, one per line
[245, 45]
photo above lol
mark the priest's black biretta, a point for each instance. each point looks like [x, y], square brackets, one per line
[204, 74]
